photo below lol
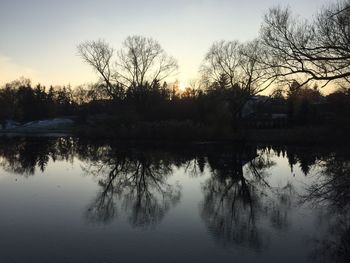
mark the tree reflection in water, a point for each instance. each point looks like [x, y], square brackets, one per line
[230, 199]
[331, 191]
[136, 183]
[237, 197]
[22, 155]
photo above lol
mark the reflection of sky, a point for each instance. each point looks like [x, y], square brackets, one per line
[301, 221]
[39, 36]
[42, 216]
[281, 174]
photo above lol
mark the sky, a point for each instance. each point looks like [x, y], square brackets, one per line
[38, 38]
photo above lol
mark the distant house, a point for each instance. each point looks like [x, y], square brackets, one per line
[265, 112]
[251, 105]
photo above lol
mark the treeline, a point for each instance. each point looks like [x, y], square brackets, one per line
[21, 101]
[213, 107]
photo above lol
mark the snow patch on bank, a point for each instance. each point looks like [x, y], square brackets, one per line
[49, 124]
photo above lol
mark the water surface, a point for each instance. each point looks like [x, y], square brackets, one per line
[74, 200]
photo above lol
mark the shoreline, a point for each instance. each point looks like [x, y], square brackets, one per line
[299, 135]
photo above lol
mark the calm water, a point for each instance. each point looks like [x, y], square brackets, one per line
[71, 200]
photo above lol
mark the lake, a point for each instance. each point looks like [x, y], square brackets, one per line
[77, 200]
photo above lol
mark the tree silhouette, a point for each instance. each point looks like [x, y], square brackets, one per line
[316, 50]
[235, 70]
[140, 62]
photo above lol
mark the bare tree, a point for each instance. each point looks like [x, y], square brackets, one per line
[239, 63]
[223, 58]
[254, 76]
[143, 60]
[98, 54]
[317, 50]
[139, 61]
[237, 67]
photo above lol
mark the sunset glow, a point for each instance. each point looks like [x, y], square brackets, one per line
[182, 86]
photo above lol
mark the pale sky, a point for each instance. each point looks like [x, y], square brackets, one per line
[39, 37]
